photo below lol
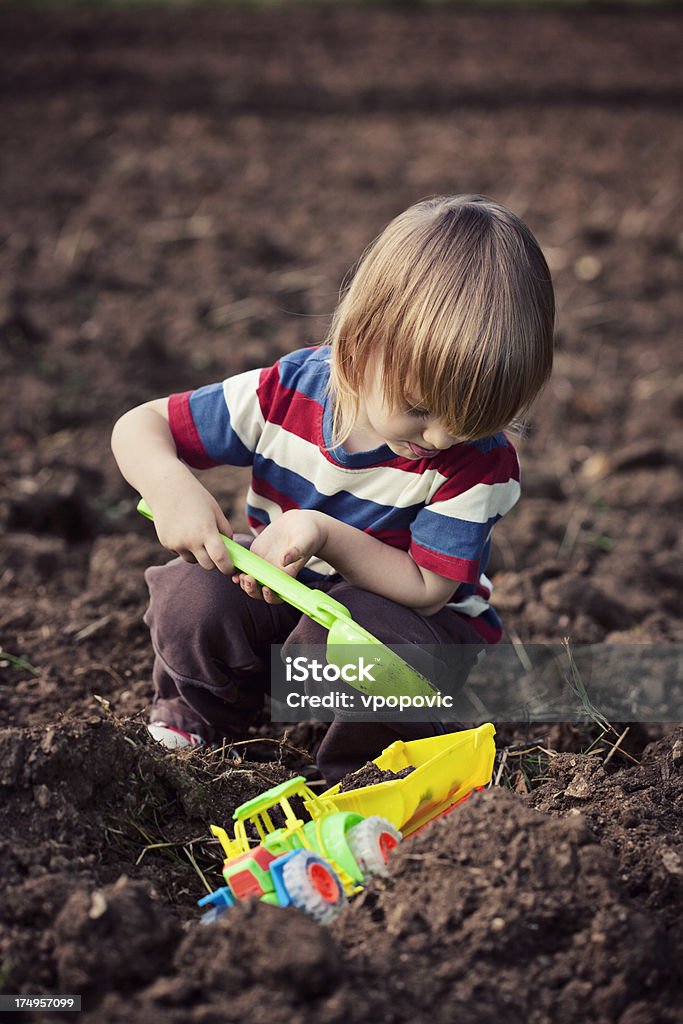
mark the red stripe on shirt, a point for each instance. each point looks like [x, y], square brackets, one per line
[286, 407]
[495, 467]
[462, 570]
[185, 434]
[487, 631]
[263, 489]
[394, 538]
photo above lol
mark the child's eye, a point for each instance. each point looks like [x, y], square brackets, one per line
[417, 410]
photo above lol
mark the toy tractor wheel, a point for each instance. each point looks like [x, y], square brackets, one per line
[314, 886]
[370, 842]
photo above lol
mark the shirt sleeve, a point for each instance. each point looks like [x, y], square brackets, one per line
[451, 534]
[220, 424]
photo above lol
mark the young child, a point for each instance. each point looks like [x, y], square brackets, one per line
[379, 469]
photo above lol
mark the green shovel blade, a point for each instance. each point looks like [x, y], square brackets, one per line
[347, 642]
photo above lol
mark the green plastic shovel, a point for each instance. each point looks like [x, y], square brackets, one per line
[392, 675]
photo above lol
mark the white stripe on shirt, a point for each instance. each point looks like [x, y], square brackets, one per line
[246, 418]
[386, 485]
[480, 503]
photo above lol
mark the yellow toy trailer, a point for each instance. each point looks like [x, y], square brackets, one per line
[316, 864]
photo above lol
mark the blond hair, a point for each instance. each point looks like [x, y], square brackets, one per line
[454, 299]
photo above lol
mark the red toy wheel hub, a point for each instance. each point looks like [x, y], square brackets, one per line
[386, 844]
[323, 882]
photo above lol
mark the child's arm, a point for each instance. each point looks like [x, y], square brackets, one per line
[188, 519]
[362, 560]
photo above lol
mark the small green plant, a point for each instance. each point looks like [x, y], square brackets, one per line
[601, 723]
[5, 968]
[600, 541]
[18, 661]
[577, 684]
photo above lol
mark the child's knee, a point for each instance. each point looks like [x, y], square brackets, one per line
[185, 599]
[386, 620]
[362, 604]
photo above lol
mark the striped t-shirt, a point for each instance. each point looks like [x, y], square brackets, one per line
[278, 420]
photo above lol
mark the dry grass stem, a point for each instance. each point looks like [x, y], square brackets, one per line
[615, 747]
[190, 856]
[520, 651]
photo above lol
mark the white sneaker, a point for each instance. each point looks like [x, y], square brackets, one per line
[172, 738]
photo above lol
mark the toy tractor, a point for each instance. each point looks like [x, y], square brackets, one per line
[313, 865]
[316, 864]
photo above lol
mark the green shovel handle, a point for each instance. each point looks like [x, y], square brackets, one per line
[318, 606]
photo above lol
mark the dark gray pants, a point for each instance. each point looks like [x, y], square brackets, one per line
[212, 657]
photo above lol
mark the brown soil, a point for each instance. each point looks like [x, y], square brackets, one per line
[181, 194]
[371, 775]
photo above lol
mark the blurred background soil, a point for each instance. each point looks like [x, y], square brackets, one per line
[181, 195]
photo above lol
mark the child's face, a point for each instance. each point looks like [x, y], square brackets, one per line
[410, 431]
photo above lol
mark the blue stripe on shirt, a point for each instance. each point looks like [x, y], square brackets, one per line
[307, 372]
[212, 420]
[360, 512]
[433, 531]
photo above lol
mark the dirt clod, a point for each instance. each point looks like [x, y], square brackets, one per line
[116, 938]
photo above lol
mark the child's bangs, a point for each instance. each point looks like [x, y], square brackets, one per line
[408, 376]
[452, 385]
[435, 393]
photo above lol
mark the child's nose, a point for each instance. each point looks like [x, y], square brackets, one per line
[437, 436]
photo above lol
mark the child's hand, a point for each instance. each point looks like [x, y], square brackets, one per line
[288, 543]
[189, 521]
